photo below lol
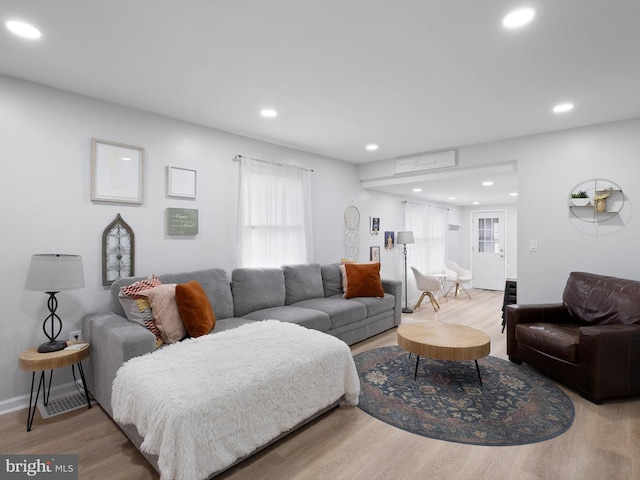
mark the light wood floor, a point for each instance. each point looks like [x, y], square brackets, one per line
[346, 443]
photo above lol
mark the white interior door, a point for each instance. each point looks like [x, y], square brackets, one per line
[488, 264]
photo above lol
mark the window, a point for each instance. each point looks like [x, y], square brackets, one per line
[274, 214]
[488, 236]
[429, 226]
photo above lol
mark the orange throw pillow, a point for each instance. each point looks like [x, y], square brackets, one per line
[363, 280]
[195, 308]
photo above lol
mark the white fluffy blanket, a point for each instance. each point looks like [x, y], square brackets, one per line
[203, 403]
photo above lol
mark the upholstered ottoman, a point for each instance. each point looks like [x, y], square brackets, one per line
[197, 407]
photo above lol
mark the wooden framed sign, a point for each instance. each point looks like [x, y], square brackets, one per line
[182, 221]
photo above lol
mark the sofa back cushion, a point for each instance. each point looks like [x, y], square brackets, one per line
[257, 288]
[331, 279]
[302, 282]
[600, 300]
[214, 282]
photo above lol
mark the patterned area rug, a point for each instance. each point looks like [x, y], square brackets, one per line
[515, 406]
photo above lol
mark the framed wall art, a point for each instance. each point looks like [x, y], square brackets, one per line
[118, 251]
[117, 172]
[375, 225]
[182, 221]
[374, 254]
[181, 182]
[389, 240]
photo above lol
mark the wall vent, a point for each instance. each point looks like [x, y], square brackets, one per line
[66, 404]
[454, 228]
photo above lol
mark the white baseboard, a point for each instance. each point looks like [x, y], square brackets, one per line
[18, 403]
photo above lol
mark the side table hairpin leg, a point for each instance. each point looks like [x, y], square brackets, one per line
[84, 382]
[32, 405]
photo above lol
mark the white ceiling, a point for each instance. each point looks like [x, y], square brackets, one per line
[412, 76]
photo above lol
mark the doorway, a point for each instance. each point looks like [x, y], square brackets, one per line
[487, 250]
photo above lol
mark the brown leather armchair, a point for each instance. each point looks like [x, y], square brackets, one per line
[590, 342]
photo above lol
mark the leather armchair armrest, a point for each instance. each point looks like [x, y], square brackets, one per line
[609, 357]
[537, 313]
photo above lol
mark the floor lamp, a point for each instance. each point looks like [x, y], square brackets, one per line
[404, 238]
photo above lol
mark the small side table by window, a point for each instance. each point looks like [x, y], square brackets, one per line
[33, 361]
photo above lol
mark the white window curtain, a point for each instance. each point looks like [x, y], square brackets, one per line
[274, 214]
[429, 226]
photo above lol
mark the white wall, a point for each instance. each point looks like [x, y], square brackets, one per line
[45, 136]
[45, 204]
[549, 166]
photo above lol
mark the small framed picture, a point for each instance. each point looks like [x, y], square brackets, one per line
[181, 182]
[389, 240]
[182, 221]
[117, 172]
[374, 254]
[375, 225]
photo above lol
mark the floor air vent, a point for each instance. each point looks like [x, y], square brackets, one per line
[61, 405]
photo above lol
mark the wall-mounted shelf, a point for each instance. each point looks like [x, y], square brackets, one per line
[604, 200]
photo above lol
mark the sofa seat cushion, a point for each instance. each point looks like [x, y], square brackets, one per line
[229, 323]
[557, 340]
[313, 319]
[341, 311]
[376, 305]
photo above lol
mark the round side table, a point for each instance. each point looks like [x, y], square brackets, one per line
[34, 361]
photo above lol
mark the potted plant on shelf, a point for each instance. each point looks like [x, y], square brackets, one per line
[580, 199]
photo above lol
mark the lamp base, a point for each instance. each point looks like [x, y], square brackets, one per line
[407, 310]
[52, 346]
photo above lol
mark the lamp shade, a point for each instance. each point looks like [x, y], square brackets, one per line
[405, 237]
[55, 273]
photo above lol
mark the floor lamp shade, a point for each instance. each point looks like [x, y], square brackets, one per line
[53, 273]
[404, 238]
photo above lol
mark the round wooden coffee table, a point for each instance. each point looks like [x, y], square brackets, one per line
[444, 342]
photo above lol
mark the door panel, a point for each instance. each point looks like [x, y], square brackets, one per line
[488, 260]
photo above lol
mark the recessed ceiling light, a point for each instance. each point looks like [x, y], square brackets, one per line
[513, 194]
[518, 18]
[487, 184]
[452, 198]
[475, 203]
[269, 113]
[371, 147]
[23, 29]
[417, 190]
[563, 107]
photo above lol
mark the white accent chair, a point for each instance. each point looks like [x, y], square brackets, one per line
[457, 276]
[429, 286]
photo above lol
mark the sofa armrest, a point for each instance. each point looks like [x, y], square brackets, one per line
[114, 340]
[609, 358]
[394, 287]
[538, 313]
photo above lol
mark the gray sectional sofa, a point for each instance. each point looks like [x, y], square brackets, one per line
[308, 294]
